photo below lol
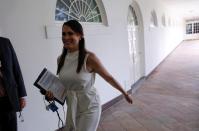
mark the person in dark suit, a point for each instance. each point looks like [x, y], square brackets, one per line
[12, 89]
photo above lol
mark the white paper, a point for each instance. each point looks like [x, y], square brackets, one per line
[50, 82]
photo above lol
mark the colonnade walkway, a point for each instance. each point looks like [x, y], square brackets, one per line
[168, 100]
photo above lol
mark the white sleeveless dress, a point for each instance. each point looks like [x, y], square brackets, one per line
[83, 102]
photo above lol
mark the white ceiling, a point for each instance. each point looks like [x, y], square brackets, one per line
[189, 9]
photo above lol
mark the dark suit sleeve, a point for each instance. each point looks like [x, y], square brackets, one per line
[17, 73]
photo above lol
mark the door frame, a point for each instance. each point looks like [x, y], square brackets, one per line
[138, 12]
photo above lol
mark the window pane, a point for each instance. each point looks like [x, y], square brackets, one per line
[189, 29]
[163, 20]
[196, 27]
[132, 18]
[154, 20]
[83, 11]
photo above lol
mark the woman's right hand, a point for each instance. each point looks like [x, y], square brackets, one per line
[128, 98]
[49, 96]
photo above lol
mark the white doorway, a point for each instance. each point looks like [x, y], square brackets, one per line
[136, 43]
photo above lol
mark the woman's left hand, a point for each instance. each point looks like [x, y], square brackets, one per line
[128, 98]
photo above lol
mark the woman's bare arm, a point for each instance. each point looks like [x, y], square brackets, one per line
[94, 64]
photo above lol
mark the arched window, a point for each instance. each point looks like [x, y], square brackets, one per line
[163, 20]
[132, 17]
[154, 19]
[169, 21]
[81, 10]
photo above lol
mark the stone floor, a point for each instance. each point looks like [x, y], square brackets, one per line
[168, 100]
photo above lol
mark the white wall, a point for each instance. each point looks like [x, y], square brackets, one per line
[159, 41]
[23, 21]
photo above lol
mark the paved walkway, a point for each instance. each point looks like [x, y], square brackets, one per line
[167, 101]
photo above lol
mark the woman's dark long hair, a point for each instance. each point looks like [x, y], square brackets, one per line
[77, 28]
